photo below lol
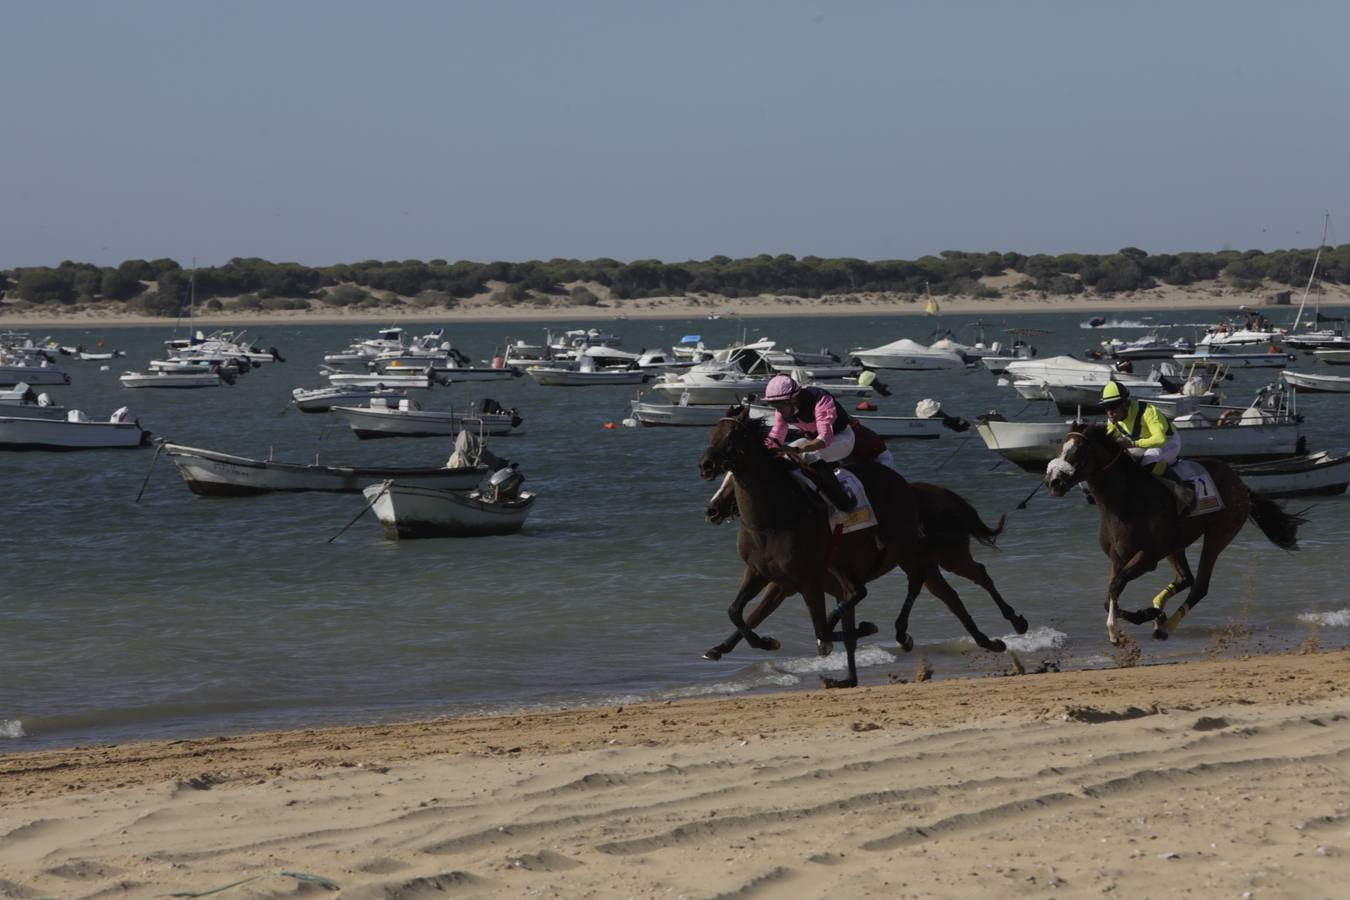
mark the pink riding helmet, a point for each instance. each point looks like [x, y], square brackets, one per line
[781, 387]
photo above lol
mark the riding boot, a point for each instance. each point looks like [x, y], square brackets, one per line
[831, 487]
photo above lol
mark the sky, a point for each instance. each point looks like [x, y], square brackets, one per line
[340, 131]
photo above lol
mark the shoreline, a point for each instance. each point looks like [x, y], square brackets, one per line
[1215, 776]
[680, 308]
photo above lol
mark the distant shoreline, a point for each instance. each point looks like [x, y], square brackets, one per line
[1220, 300]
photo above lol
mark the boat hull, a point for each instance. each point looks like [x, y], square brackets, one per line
[557, 377]
[17, 433]
[1315, 475]
[212, 474]
[1310, 383]
[408, 512]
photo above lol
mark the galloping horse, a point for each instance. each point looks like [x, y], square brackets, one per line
[949, 522]
[785, 538]
[1140, 526]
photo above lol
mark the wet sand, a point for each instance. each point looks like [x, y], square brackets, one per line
[1211, 778]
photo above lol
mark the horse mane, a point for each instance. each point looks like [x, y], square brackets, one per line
[756, 428]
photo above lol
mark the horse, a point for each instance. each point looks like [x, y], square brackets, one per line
[948, 521]
[785, 538]
[1139, 525]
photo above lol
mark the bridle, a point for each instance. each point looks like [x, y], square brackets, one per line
[1083, 439]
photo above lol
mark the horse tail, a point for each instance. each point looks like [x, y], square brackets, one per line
[1280, 526]
[982, 532]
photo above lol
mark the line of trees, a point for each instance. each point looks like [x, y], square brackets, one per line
[163, 286]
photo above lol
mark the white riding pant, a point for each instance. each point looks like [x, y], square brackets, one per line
[839, 448]
[1167, 453]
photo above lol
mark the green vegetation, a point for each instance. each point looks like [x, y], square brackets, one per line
[163, 287]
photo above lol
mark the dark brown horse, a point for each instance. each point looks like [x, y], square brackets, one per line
[785, 538]
[1139, 524]
[949, 522]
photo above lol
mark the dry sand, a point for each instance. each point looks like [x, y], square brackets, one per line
[1208, 296]
[1212, 779]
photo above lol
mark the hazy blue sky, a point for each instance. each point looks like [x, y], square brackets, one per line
[323, 132]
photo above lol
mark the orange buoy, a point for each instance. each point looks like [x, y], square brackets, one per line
[611, 425]
[866, 406]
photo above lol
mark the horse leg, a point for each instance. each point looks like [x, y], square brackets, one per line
[856, 592]
[751, 584]
[939, 587]
[814, 597]
[1183, 579]
[768, 603]
[1215, 542]
[851, 649]
[902, 637]
[966, 566]
[1135, 566]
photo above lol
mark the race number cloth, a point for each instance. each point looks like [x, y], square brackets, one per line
[1207, 499]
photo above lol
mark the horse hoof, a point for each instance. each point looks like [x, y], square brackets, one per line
[824, 648]
[831, 683]
[866, 629]
[770, 644]
[1019, 625]
[906, 643]
[1160, 634]
[714, 654]
[995, 646]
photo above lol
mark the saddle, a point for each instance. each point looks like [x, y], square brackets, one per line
[1205, 492]
[846, 522]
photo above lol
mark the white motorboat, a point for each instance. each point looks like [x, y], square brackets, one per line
[1160, 384]
[1313, 383]
[362, 351]
[1333, 356]
[907, 355]
[555, 376]
[522, 353]
[1268, 429]
[724, 379]
[1150, 346]
[997, 362]
[1314, 474]
[1236, 359]
[410, 511]
[170, 379]
[75, 432]
[447, 369]
[652, 414]
[214, 474]
[21, 400]
[384, 419]
[315, 400]
[30, 371]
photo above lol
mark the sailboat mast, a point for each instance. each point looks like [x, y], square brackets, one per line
[1326, 219]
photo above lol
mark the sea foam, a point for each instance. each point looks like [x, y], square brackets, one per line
[12, 728]
[1338, 619]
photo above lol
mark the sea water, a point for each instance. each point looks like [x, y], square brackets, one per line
[186, 616]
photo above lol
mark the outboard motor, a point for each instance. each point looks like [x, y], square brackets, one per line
[504, 485]
[276, 354]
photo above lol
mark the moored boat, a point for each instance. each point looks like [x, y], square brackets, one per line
[409, 511]
[75, 432]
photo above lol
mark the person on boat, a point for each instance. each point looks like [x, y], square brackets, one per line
[1149, 435]
[832, 436]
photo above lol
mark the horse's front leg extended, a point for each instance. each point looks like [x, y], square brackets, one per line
[1122, 575]
[751, 584]
[1182, 579]
[769, 601]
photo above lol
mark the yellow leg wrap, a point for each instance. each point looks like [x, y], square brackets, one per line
[1174, 620]
[1167, 593]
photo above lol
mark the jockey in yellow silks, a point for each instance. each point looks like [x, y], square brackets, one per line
[1150, 436]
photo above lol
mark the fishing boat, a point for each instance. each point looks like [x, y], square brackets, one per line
[21, 400]
[1213, 357]
[162, 379]
[211, 473]
[75, 432]
[410, 511]
[385, 419]
[414, 379]
[1333, 355]
[1314, 474]
[1314, 383]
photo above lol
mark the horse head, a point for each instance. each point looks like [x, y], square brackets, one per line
[733, 437]
[1082, 454]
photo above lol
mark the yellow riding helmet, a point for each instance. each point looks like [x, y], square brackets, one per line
[1114, 393]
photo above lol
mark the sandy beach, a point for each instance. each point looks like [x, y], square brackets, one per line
[1212, 296]
[1227, 778]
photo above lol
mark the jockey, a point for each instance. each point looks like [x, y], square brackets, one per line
[831, 434]
[1151, 438]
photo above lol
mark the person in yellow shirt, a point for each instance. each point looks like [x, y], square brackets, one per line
[1150, 436]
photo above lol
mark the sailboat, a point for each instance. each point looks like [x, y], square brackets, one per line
[1315, 337]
